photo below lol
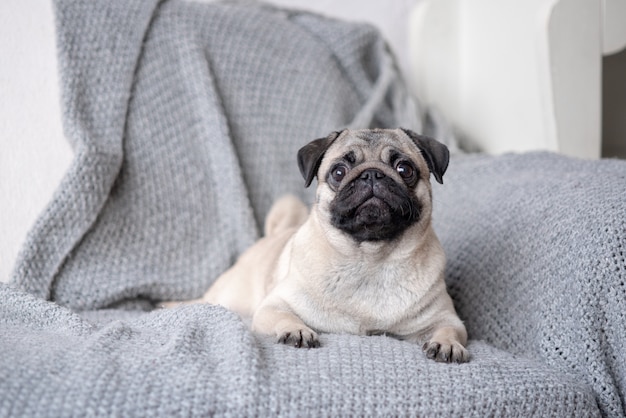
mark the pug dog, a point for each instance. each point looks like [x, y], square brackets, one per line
[365, 260]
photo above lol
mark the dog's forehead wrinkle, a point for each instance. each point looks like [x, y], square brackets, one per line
[350, 157]
[391, 154]
[374, 136]
[378, 144]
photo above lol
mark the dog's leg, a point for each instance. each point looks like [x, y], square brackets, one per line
[447, 345]
[275, 318]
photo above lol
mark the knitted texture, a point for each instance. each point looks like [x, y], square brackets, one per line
[185, 120]
[201, 360]
[536, 248]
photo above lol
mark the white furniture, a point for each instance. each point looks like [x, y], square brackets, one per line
[517, 76]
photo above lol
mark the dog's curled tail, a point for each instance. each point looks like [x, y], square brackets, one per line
[287, 212]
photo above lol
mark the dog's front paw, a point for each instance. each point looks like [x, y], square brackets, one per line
[298, 338]
[446, 352]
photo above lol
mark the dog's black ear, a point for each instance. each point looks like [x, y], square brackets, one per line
[310, 156]
[436, 154]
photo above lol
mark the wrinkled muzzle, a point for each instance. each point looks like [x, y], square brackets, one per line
[374, 207]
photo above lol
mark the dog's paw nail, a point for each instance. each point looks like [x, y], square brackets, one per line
[313, 343]
[460, 354]
[300, 338]
[283, 338]
[446, 353]
[431, 349]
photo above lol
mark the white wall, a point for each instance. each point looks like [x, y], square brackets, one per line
[33, 153]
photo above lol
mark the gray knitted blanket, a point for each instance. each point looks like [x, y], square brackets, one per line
[185, 120]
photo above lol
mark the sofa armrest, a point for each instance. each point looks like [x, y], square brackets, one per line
[512, 77]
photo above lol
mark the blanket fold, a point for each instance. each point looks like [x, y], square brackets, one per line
[186, 119]
[97, 60]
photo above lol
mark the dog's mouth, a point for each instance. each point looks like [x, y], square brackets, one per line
[374, 210]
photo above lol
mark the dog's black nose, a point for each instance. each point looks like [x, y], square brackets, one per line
[372, 174]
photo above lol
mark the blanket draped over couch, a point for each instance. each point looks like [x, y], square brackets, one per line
[185, 119]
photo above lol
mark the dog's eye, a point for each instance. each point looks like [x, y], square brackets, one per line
[405, 170]
[339, 172]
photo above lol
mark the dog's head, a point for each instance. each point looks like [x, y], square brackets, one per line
[373, 184]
